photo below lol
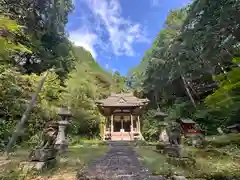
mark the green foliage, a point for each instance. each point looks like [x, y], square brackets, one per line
[224, 140]
[176, 73]
[33, 40]
[43, 24]
[208, 165]
[13, 174]
[225, 100]
[151, 126]
[9, 31]
[86, 83]
[16, 90]
[120, 82]
[226, 97]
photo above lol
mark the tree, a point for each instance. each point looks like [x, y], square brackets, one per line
[43, 22]
[226, 99]
[9, 31]
[195, 46]
[22, 123]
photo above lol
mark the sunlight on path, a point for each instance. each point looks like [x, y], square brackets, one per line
[59, 176]
[66, 169]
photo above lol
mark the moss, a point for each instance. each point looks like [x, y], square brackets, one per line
[68, 163]
[160, 146]
[221, 141]
[144, 143]
[158, 163]
[208, 164]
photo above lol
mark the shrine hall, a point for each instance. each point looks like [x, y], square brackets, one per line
[122, 116]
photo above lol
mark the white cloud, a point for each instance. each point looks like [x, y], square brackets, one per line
[122, 32]
[107, 28]
[85, 39]
[155, 3]
[107, 66]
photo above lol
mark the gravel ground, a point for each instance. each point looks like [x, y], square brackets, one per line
[120, 162]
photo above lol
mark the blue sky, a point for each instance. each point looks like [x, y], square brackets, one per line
[118, 32]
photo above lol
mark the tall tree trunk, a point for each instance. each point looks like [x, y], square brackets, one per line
[20, 126]
[156, 100]
[186, 85]
[195, 93]
[188, 91]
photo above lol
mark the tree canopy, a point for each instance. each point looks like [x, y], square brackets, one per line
[190, 61]
[33, 40]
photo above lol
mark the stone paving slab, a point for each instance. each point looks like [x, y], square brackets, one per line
[120, 162]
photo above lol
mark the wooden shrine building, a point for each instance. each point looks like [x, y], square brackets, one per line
[121, 112]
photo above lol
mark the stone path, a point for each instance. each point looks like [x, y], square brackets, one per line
[119, 163]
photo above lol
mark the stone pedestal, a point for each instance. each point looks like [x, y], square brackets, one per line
[43, 155]
[175, 150]
[163, 137]
[37, 165]
[41, 159]
[178, 156]
[175, 177]
[61, 142]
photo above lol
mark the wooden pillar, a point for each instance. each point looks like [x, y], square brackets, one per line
[111, 122]
[138, 124]
[131, 118]
[122, 123]
[104, 127]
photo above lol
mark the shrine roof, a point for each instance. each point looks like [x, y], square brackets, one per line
[160, 114]
[188, 121]
[122, 100]
[234, 126]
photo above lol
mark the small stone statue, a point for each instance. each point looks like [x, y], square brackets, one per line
[47, 150]
[49, 135]
[163, 137]
[175, 132]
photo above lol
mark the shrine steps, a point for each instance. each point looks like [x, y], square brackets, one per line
[121, 136]
[124, 136]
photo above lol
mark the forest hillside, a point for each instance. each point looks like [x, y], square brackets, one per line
[192, 69]
[33, 41]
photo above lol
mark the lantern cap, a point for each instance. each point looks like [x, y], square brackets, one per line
[160, 114]
[64, 112]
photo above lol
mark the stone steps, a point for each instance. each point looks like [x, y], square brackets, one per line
[118, 136]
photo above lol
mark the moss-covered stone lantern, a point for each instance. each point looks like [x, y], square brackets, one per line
[163, 137]
[61, 142]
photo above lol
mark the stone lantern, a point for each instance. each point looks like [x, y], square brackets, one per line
[61, 142]
[163, 136]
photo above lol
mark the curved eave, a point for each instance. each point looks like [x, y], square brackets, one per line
[120, 106]
[108, 110]
[143, 103]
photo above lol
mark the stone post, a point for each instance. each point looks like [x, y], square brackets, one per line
[61, 142]
[163, 137]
